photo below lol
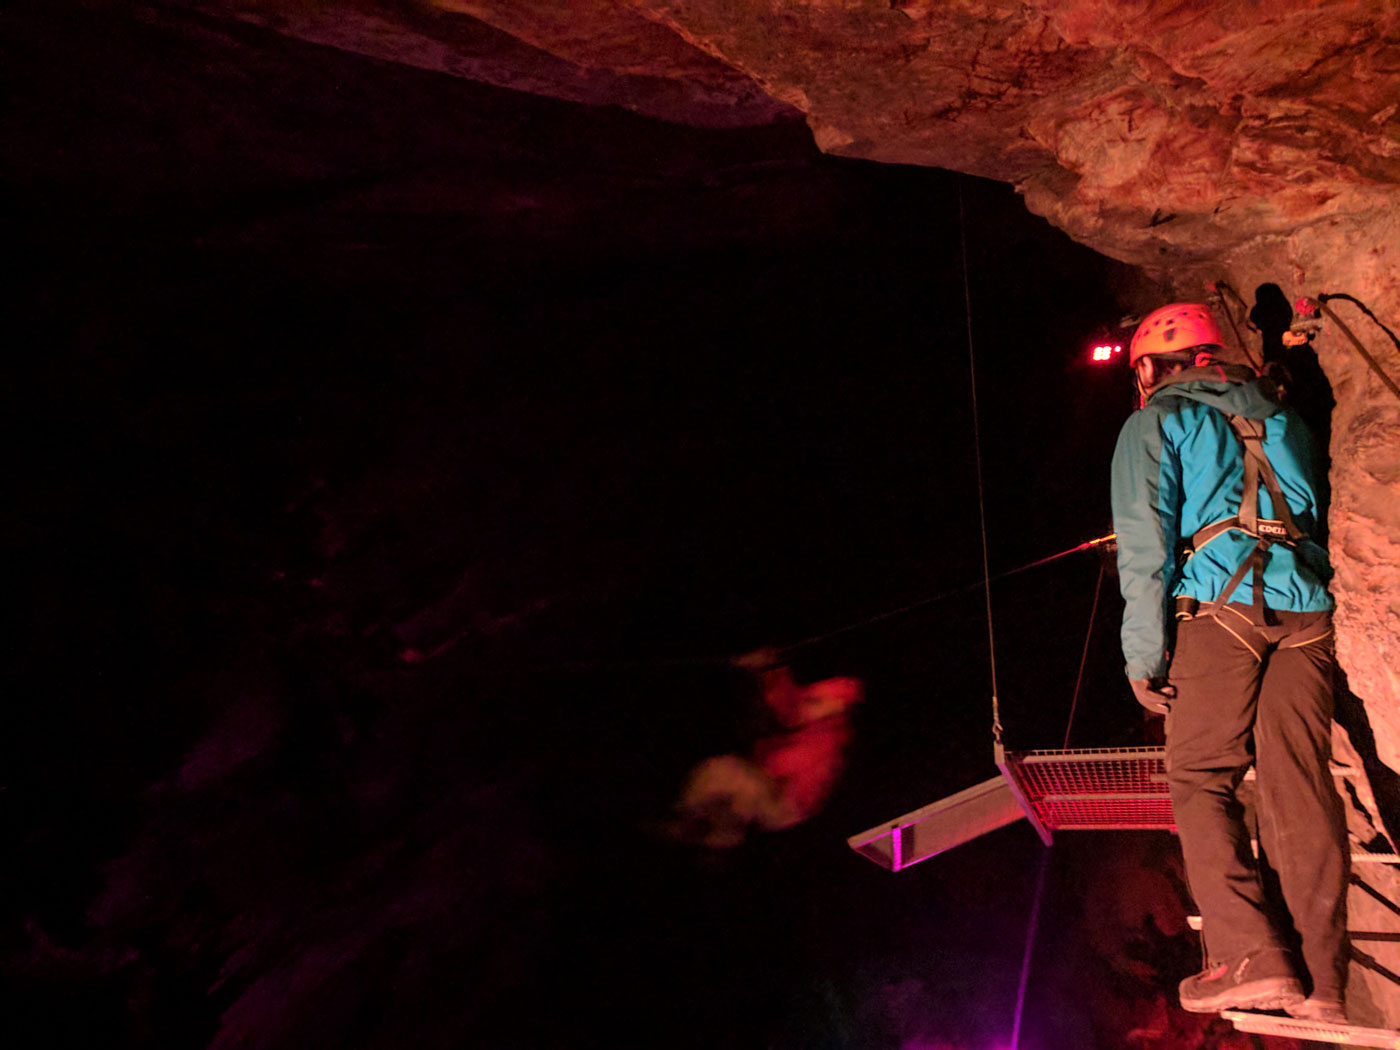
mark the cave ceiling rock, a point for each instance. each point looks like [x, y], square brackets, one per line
[1156, 131]
[597, 52]
[1258, 141]
[1232, 119]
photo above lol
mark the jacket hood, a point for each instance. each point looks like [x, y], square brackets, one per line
[1233, 389]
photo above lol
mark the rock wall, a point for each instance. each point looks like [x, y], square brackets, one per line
[1357, 255]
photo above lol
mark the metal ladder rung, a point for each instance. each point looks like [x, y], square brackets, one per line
[1362, 936]
[1359, 856]
[1338, 772]
[1349, 1035]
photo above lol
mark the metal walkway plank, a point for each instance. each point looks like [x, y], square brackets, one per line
[1343, 1034]
[939, 826]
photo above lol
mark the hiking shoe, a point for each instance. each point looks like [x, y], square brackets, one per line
[1324, 1010]
[1260, 980]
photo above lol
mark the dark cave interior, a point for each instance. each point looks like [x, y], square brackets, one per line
[400, 461]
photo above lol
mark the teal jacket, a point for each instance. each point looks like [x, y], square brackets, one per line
[1178, 468]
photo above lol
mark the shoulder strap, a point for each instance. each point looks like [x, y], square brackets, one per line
[1256, 468]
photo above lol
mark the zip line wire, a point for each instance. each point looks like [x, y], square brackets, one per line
[1361, 349]
[987, 577]
[1226, 292]
[662, 663]
[952, 592]
[1083, 657]
[1034, 920]
[977, 457]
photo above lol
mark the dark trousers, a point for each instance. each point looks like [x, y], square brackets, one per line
[1263, 696]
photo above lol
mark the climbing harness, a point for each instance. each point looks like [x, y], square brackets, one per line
[1265, 531]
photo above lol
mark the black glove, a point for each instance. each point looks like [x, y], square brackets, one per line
[1153, 695]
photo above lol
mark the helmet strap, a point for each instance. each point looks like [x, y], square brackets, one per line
[1143, 390]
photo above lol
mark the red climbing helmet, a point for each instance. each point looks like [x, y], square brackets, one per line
[1179, 326]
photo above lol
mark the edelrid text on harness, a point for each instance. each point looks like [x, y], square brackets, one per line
[1266, 531]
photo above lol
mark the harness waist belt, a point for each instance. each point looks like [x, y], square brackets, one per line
[1274, 530]
[1187, 607]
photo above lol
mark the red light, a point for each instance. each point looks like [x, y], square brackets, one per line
[1105, 351]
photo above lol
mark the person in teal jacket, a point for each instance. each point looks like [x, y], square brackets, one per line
[1227, 631]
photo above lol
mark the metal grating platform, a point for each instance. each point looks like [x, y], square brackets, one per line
[1098, 788]
[1092, 789]
[1344, 1034]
